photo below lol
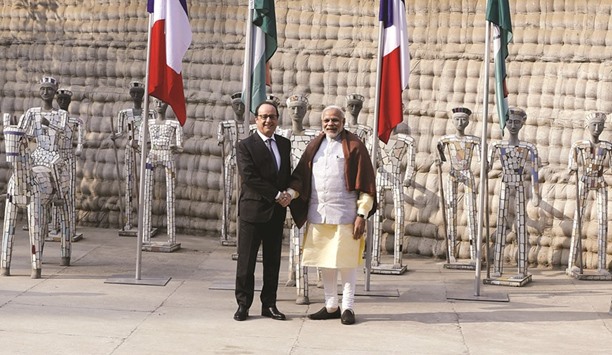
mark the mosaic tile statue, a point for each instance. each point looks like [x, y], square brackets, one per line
[591, 156]
[389, 176]
[128, 123]
[228, 134]
[354, 104]
[74, 129]
[300, 137]
[39, 177]
[166, 138]
[515, 156]
[459, 149]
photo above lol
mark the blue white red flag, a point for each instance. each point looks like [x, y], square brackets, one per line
[170, 39]
[395, 66]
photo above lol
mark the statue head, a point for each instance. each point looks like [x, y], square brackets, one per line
[137, 91]
[354, 104]
[595, 122]
[160, 107]
[461, 118]
[48, 88]
[516, 120]
[63, 98]
[298, 105]
[273, 99]
[238, 105]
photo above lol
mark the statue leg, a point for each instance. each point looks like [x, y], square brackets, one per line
[72, 189]
[129, 185]
[228, 184]
[378, 216]
[37, 221]
[147, 201]
[602, 235]
[583, 194]
[301, 272]
[451, 218]
[470, 205]
[398, 202]
[521, 229]
[8, 234]
[500, 231]
[170, 202]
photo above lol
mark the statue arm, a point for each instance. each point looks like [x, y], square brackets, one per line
[410, 162]
[535, 165]
[572, 163]
[178, 133]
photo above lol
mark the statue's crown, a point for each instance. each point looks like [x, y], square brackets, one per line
[297, 100]
[48, 81]
[517, 112]
[236, 95]
[354, 97]
[273, 99]
[595, 117]
[64, 92]
[136, 84]
[463, 110]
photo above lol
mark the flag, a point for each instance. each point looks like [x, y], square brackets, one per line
[170, 39]
[395, 66]
[498, 13]
[263, 33]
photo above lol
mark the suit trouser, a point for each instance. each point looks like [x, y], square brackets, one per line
[269, 235]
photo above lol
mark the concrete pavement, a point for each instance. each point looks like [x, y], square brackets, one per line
[71, 310]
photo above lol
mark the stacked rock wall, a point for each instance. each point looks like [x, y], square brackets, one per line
[559, 68]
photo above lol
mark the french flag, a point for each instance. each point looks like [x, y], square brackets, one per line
[395, 66]
[170, 39]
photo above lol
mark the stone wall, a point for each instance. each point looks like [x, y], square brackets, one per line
[559, 68]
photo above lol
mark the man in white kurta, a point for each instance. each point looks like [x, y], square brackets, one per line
[335, 189]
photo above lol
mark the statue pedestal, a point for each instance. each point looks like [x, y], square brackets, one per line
[589, 275]
[134, 232]
[57, 237]
[229, 242]
[514, 281]
[388, 269]
[161, 247]
[461, 265]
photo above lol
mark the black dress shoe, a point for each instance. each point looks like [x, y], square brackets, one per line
[324, 314]
[272, 312]
[348, 317]
[242, 313]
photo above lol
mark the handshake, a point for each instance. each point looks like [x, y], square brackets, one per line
[284, 199]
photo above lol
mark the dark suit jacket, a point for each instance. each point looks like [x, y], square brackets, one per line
[260, 180]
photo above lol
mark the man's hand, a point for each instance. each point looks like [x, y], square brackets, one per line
[284, 199]
[359, 227]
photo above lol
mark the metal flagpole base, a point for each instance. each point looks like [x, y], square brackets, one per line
[126, 280]
[388, 269]
[133, 232]
[161, 247]
[589, 275]
[492, 297]
[57, 237]
[514, 281]
[230, 242]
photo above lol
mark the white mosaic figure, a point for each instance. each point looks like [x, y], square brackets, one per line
[515, 156]
[229, 133]
[354, 104]
[459, 149]
[300, 137]
[74, 128]
[128, 123]
[389, 177]
[38, 177]
[166, 137]
[592, 156]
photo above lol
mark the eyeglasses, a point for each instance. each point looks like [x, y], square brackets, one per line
[265, 117]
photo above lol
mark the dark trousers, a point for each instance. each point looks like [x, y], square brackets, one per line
[270, 236]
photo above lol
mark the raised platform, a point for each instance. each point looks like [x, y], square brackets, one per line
[133, 232]
[388, 269]
[514, 281]
[161, 247]
[461, 265]
[589, 275]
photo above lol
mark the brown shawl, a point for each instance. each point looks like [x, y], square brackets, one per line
[358, 173]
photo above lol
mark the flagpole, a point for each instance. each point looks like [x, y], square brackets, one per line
[144, 126]
[370, 232]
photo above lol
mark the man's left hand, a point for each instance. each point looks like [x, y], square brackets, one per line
[359, 227]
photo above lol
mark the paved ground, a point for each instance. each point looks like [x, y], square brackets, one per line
[72, 310]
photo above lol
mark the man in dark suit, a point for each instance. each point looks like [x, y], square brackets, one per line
[263, 164]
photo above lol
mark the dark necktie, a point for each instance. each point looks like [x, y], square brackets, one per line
[269, 144]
